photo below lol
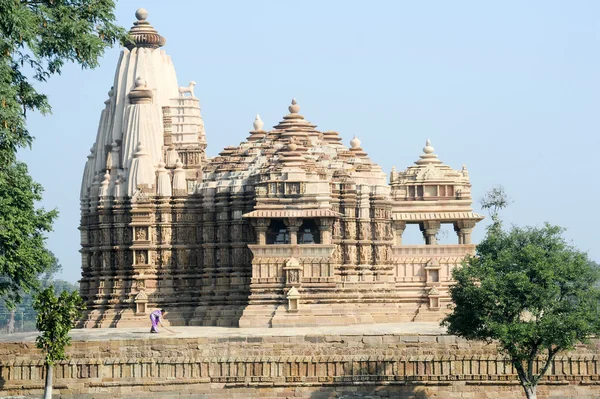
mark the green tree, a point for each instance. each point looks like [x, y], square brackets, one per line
[23, 256]
[37, 38]
[55, 318]
[529, 291]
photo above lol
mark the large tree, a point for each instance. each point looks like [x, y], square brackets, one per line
[37, 38]
[531, 292]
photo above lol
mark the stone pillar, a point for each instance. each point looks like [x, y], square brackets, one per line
[293, 226]
[399, 226]
[325, 226]
[260, 226]
[430, 229]
[464, 229]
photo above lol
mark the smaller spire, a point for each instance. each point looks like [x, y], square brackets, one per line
[164, 181]
[140, 150]
[141, 94]
[105, 185]
[258, 123]
[428, 157]
[356, 148]
[294, 108]
[179, 182]
[118, 189]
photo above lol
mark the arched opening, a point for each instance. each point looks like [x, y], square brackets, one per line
[278, 233]
[309, 233]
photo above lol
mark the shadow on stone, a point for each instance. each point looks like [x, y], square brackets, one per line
[370, 392]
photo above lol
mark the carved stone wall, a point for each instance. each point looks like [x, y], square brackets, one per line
[314, 366]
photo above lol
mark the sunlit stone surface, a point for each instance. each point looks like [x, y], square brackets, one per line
[288, 228]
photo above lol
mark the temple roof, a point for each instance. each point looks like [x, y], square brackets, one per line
[293, 143]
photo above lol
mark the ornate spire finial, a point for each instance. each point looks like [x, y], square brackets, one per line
[142, 34]
[140, 150]
[140, 82]
[258, 123]
[140, 94]
[355, 142]
[141, 14]
[428, 148]
[292, 146]
[294, 108]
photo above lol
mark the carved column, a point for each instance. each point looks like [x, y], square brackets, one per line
[430, 229]
[260, 227]
[293, 226]
[325, 226]
[399, 226]
[464, 229]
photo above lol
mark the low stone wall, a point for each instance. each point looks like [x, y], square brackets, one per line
[316, 367]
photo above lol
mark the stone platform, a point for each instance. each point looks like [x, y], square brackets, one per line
[404, 360]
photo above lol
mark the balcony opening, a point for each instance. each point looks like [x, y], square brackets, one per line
[309, 233]
[278, 233]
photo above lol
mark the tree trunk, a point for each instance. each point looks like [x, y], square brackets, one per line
[11, 322]
[530, 392]
[48, 387]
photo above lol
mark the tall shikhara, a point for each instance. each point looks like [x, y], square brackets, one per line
[288, 228]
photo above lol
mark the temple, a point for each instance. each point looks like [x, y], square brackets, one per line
[288, 228]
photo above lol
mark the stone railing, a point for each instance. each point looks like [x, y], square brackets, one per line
[422, 251]
[289, 251]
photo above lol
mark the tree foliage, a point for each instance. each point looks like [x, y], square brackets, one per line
[531, 292]
[37, 38]
[23, 256]
[56, 316]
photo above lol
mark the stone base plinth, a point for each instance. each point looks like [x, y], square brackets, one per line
[405, 360]
[337, 314]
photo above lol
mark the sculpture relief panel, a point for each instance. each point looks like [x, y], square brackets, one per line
[350, 257]
[366, 254]
[141, 233]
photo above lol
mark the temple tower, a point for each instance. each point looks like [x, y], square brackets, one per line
[147, 157]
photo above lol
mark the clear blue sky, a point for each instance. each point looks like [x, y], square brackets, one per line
[511, 89]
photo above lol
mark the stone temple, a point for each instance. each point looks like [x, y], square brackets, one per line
[288, 228]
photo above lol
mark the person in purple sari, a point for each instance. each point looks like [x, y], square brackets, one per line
[156, 318]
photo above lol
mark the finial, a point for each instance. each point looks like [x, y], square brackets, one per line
[140, 94]
[464, 167]
[140, 82]
[140, 150]
[294, 108]
[141, 14]
[355, 142]
[428, 148]
[258, 123]
[178, 164]
[142, 34]
[161, 165]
